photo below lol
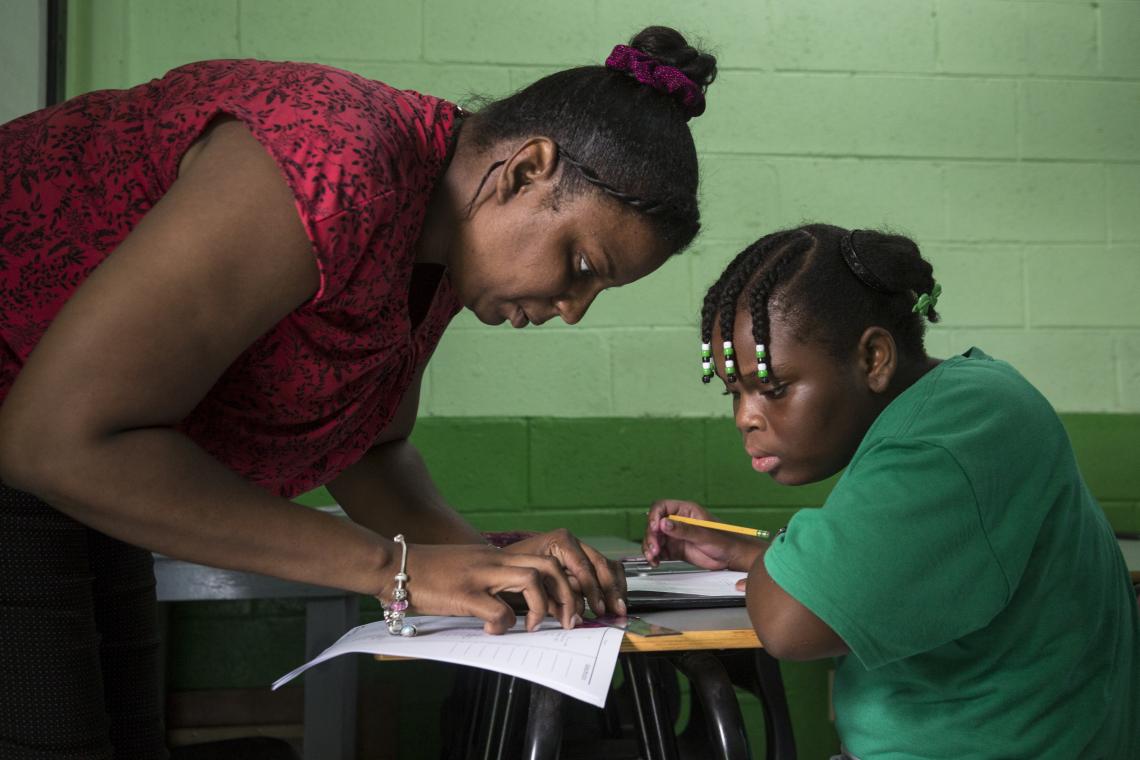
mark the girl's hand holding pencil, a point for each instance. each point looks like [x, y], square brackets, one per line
[684, 538]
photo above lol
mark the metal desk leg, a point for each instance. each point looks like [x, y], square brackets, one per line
[759, 672]
[651, 715]
[330, 688]
[544, 725]
[777, 716]
[720, 710]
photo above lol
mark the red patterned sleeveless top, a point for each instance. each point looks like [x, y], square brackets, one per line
[310, 397]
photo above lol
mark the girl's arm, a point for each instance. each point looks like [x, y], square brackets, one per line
[787, 629]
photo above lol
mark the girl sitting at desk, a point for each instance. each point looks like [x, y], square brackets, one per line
[960, 569]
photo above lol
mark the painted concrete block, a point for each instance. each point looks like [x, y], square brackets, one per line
[1024, 201]
[1108, 277]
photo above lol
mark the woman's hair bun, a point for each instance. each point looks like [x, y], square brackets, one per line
[670, 47]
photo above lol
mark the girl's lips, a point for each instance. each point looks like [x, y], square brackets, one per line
[765, 464]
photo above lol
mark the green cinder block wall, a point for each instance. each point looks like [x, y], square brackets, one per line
[1001, 134]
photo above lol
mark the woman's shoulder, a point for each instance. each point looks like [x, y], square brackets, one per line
[312, 93]
[340, 138]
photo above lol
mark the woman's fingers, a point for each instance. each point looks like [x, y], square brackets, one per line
[611, 579]
[497, 615]
[550, 590]
[588, 573]
[529, 582]
[463, 580]
[573, 556]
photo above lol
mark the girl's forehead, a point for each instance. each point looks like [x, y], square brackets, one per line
[742, 327]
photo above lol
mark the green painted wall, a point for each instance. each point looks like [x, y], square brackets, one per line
[1000, 133]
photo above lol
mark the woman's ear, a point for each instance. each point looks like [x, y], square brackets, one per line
[532, 166]
[878, 358]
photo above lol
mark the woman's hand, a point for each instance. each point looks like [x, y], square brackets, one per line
[601, 581]
[467, 580]
[703, 547]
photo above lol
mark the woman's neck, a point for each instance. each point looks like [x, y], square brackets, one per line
[445, 213]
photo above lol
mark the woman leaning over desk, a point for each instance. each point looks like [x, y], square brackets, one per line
[220, 289]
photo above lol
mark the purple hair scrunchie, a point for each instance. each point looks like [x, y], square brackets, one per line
[660, 76]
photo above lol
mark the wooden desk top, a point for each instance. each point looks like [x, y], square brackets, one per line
[717, 628]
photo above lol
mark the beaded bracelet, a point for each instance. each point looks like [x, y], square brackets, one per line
[394, 611]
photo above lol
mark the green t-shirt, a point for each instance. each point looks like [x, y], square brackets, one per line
[974, 578]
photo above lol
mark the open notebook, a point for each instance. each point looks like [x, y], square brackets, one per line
[677, 585]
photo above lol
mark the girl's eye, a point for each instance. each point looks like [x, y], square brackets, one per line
[778, 392]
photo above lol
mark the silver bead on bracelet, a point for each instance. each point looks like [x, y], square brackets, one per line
[394, 610]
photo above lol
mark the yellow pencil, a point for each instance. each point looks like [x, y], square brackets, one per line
[758, 532]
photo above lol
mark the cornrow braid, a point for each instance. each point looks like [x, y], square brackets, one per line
[721, 297]
[726, 305]
[762, 291]
[712, 297]
[709, 311]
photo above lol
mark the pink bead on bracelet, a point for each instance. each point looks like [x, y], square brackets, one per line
[394, 610]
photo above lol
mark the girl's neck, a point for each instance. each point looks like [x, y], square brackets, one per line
[910, 372]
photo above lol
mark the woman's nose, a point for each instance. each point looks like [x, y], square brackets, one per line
[573, 307]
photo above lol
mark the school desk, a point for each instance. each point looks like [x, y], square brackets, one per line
[708, 636]
[498, 716]
[330, 689]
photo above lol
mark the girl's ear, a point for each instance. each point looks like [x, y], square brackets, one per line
[533, 164]
[878, 358]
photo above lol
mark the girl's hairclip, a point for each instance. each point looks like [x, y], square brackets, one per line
[927, 301]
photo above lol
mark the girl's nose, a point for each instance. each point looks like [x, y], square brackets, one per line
[749, 416]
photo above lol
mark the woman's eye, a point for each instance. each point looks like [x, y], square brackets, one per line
[584, 265]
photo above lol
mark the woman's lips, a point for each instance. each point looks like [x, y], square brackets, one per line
[765, 463]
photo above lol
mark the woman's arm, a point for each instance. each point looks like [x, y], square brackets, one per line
[390, 490]
[88, 424]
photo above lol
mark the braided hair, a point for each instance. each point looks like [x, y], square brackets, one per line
[829, 284]
[626, 139]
